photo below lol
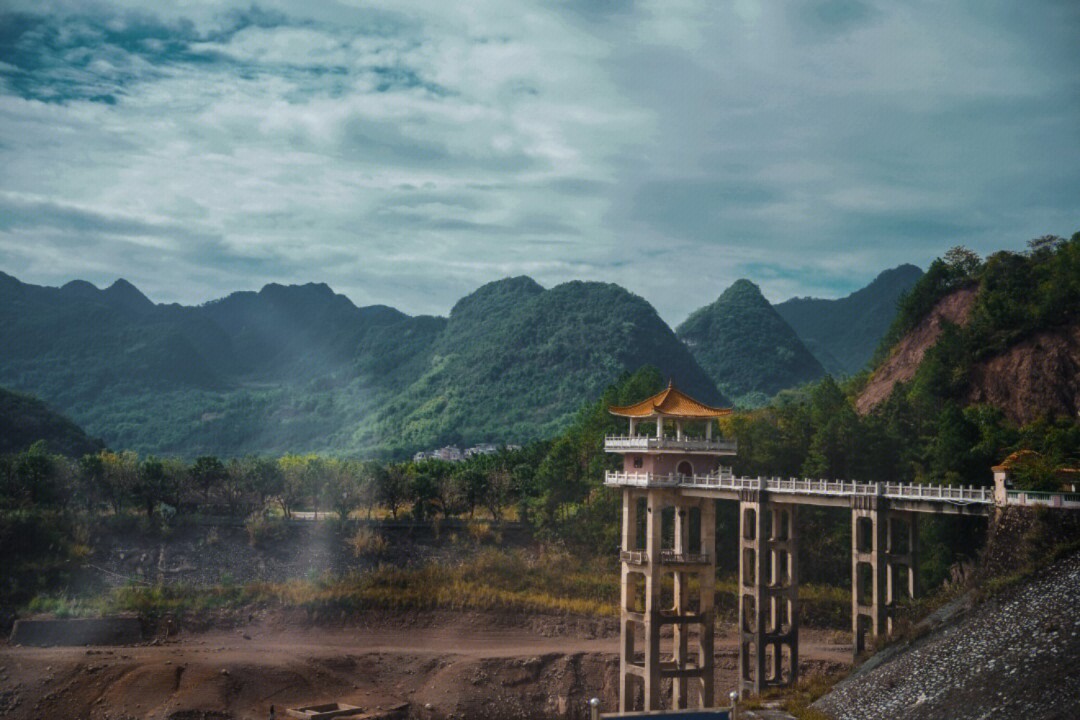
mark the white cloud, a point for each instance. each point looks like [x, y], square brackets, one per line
[407, 151]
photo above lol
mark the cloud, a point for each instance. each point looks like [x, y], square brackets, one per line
[406, 152]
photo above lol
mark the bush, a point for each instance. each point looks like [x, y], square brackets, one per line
[263, 530]
[366, 542]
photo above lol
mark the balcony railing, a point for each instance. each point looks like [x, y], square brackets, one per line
[670, 557]
[630, 443]
[667, 557]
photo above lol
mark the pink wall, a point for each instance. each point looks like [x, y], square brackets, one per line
[666, 463]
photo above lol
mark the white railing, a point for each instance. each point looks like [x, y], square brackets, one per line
[624, 443]
[806, 486]
[1049, 499]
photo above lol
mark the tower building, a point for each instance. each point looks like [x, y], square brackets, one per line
[668, 548]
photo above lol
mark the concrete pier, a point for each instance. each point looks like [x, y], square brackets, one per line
[668, 578]
[768, 593]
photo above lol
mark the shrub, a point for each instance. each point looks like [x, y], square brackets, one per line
[263, 530]
[366, 542]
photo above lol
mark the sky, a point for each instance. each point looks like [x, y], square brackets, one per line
[406, 152]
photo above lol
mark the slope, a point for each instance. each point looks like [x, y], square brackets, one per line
[746, 347]
[24, 420]
[516, 361]
[300, 368]
[1003, 333]
[843, 333]
[1012, 656]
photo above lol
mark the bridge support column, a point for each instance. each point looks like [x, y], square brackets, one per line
[691, 558]
[884, 566]
[768, 593]
[868, 566]
[902, 558]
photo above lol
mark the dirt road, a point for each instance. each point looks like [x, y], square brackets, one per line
[449, 666]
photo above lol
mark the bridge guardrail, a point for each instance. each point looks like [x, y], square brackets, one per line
[1048, 499]
[806, 486]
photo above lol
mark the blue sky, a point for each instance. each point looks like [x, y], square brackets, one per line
[406, 152]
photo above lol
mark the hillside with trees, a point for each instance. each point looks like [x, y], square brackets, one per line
[746, 347]
[25, 420]
[300, 368]
[844, 333]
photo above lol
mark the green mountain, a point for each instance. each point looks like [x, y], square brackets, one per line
[844, 333]
[24, 420]
[300, 368]
[1001, 333]
[746, 347]
[516, 361]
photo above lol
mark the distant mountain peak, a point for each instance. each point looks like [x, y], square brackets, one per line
[498, 291]
[81, 288]
[746, 347]
[843, 333]
[125, 295]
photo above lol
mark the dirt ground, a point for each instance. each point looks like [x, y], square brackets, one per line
[441, 665]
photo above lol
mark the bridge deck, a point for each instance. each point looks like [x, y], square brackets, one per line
[923, 498]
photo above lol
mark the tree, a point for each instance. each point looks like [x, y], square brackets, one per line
[963, 262]
[393, 487]
[149, 484]
[371, 479]
[35, 475]
[121, 473]
[91, 479]
[207, 472]
[342, 487]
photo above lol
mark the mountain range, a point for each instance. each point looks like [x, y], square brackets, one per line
[844, 333]
[301, 368]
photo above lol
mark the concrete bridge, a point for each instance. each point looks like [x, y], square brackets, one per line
[669, 573]
[668, 577]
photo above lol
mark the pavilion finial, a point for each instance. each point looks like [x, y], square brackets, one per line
[670, 382]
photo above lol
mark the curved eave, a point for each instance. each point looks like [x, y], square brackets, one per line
[715, 413]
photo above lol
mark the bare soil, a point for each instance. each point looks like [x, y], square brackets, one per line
[900, 367]
[439, 665]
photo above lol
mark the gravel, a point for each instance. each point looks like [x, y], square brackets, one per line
[1016, 655]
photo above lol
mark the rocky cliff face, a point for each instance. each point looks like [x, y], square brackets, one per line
[1037, 377]
[904, 361]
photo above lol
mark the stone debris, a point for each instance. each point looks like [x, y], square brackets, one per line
[1013, 656]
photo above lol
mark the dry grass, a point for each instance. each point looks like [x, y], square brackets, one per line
[493, 580]
[366, 542]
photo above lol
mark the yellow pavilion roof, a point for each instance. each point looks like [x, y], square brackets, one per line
[670, 402]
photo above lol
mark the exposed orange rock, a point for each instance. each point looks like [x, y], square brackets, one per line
[1035, 378]
[954, 308]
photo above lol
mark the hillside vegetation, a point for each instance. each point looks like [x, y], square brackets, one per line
[1005, 334]
[746, 347]
[25, 420]
[844, 333]
[300, 368]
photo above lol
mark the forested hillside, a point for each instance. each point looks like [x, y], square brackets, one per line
[299, 368]
[933, 428]
[843, 334]
[746, 347]
[25, 420]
